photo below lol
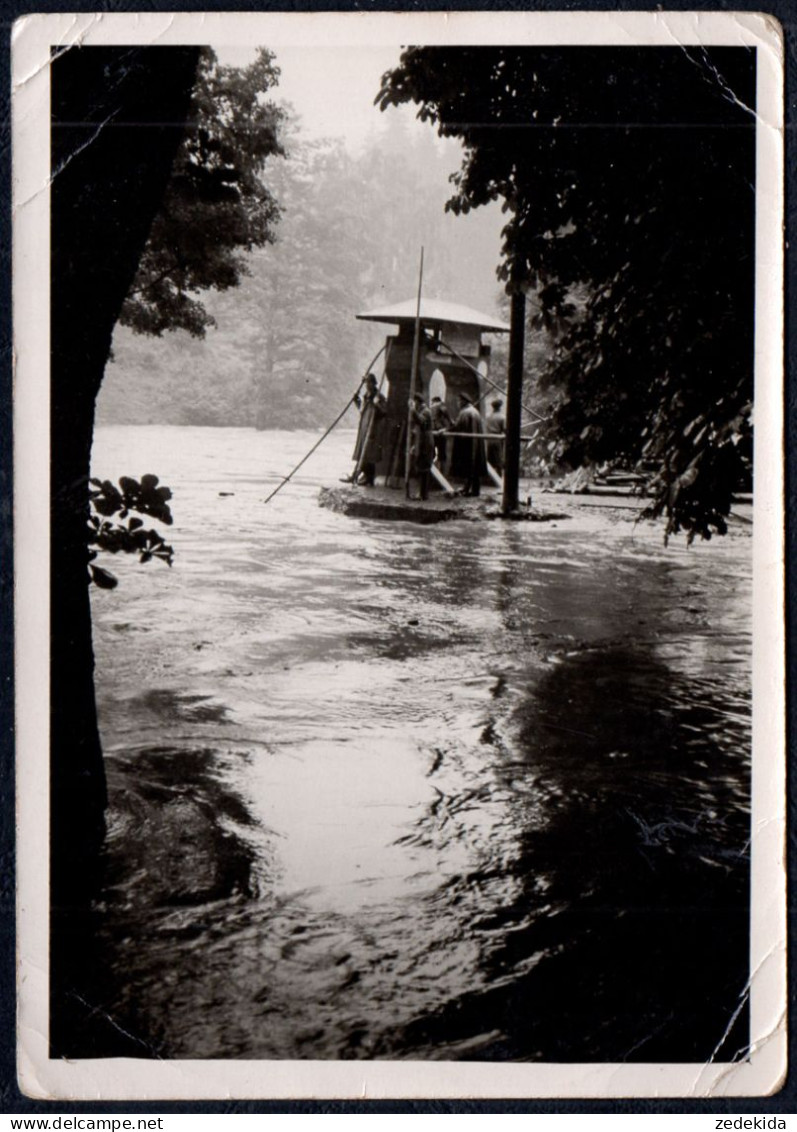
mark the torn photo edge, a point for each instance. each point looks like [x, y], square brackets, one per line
[33, 41]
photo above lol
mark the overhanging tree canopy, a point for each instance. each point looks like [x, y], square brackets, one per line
[628, 172]
[217, 205]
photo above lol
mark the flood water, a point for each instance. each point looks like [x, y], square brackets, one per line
[379, 790]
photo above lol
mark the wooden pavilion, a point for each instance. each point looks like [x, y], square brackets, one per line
[452, 360]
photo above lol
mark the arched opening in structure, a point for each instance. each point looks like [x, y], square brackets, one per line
[437, 385]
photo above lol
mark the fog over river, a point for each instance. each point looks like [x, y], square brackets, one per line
[379, 790]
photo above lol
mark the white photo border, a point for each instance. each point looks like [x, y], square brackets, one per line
[110, 1079]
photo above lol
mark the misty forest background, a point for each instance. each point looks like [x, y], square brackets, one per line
[284, 349]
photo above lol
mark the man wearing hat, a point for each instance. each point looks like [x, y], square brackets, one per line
[368, 447]
[469, 459]
[496, 423]
[421, 444]
[441, 420]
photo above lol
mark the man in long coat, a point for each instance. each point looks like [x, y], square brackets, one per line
[368, 446]
[421, 444]
[469, 460]
[440, 422]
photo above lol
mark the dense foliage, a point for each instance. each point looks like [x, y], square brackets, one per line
[217, 206]
[128, 534]
[627, 173]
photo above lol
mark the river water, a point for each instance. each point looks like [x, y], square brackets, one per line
[379, 790]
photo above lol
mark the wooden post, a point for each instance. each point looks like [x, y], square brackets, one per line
[413, 375]
[514, 395]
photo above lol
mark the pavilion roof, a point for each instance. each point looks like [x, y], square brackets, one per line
[434, 312]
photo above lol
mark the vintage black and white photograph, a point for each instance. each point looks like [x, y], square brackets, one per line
[401, 681]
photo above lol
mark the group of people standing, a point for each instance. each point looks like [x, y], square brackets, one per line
[431, 424]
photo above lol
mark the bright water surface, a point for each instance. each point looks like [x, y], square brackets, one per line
[385, 790]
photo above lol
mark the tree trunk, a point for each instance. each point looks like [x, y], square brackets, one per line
[514, 397]
[117, 119]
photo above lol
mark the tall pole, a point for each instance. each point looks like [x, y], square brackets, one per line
[514, 395]
[416, 343]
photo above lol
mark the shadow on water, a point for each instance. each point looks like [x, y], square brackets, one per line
[632, 912]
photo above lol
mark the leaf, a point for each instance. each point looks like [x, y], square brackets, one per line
[102, 578]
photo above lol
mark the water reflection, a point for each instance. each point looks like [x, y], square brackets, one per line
[379, 790]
